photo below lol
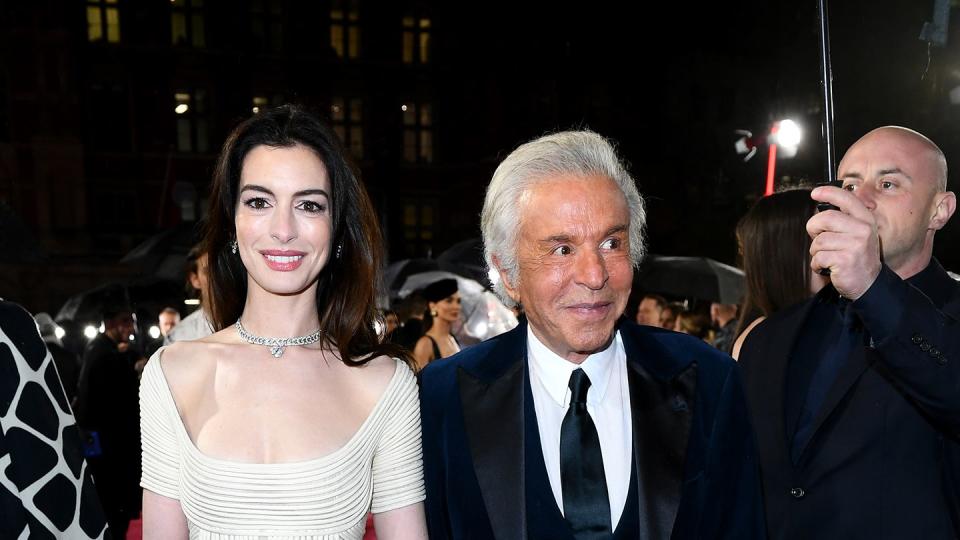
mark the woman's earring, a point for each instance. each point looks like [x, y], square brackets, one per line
[233, 247]
[339, 250]
[433, 313]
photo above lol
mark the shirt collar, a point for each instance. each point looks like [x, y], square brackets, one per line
[554, 371]
[931, 281]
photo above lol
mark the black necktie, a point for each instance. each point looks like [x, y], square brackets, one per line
[585, 503]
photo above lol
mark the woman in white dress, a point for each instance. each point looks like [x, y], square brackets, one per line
[292, 420]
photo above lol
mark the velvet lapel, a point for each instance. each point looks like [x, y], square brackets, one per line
[662, 398]
[491, 395]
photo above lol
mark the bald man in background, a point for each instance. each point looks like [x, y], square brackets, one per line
[855, 394]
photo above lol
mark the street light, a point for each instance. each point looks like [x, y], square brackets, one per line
[789, 133]
[785, 134]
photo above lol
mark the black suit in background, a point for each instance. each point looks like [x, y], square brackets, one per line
[108, 404]
[883, 460]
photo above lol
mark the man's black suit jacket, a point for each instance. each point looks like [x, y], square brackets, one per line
[693, 446]
[884, 460]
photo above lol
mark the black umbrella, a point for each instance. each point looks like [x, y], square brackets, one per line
[396, 273]
[149, 295]
[466, 259]
[164, 255]
[691, 277]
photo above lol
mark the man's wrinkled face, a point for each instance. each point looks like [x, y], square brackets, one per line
[574, 256]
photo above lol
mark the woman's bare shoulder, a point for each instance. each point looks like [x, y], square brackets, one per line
[377, 374]
[382, 368]
[189, 364]
[738, 344]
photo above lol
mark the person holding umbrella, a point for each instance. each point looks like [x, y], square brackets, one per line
[854, 393]
[443, 310]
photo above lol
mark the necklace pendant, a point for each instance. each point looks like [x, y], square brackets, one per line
[276, 351]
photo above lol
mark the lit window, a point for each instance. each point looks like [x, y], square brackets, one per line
[347, 117]
[191, 117]
[417, 132]
[418, 227]
[187, 23]
[416, 40]
[103, 21]
[259, 102]
[345, 28]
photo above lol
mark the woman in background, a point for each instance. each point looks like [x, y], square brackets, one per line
[775, 246]
[443, 310]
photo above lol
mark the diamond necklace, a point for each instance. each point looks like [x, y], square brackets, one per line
[276, 344]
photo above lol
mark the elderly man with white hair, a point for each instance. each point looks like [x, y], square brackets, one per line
[579, 423]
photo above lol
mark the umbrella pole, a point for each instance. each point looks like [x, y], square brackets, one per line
[826, 79]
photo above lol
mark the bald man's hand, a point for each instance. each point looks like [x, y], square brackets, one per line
[845, 241]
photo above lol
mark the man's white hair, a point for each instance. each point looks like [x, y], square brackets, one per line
[578, 154]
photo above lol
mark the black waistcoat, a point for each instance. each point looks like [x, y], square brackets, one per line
[544, 519]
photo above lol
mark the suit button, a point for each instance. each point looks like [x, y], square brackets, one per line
[797, 493]
[934, 352]
[924, 346]
[916, 339]
[942, 360]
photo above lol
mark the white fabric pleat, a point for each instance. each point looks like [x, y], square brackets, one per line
[379, 469]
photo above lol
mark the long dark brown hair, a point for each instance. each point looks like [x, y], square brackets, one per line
[347, 285]
[776, 253]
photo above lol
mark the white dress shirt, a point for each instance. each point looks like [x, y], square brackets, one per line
[608, 402]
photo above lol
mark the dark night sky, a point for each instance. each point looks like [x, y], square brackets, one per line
[668, 81]
[671, 81]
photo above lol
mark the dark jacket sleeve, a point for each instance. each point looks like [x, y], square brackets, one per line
[919, 343]
[733, 501]
[434, 470]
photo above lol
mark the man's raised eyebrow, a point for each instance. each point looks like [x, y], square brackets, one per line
[853, 174]
[617, 229]
[557, 239]
[565, 239]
